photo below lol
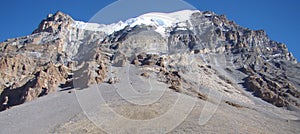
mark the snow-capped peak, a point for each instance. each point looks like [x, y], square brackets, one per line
[159, 20]
[175, 17]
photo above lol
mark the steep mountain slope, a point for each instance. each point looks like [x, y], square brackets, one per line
[199, 54]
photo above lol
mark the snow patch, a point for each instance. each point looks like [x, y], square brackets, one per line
[160, 20]
[181, 28]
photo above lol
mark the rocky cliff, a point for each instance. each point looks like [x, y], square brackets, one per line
[198, 50]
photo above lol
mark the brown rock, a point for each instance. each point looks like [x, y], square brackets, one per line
[175, 88]
[113, 80]
[145, 74]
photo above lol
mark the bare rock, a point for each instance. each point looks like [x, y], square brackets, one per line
[113, 80]
[119, 60]
[145, 74]
[54, 23]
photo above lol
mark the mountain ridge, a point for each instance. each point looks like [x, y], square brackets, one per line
[253, 81]
[60, 43]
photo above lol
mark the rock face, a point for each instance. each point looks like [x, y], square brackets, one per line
[54, 23]
[38, 64]
[205, 51]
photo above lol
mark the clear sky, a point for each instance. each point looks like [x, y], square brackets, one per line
[279, 18]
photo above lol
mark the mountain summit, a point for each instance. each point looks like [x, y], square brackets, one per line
[191, 52]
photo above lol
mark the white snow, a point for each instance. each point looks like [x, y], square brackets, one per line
[108, 29]
[181, 28]
[182, 24]
[275, 55]
[160, 20]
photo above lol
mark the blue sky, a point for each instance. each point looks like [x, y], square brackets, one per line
[279, 18]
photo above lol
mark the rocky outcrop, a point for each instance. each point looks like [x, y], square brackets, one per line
[63, 52]
[276, 91]
[54, 23]
[37, 64]
[40, 82]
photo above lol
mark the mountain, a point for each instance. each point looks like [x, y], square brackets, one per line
[192, 53]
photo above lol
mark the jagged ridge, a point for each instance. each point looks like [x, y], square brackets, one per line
[61, 44]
